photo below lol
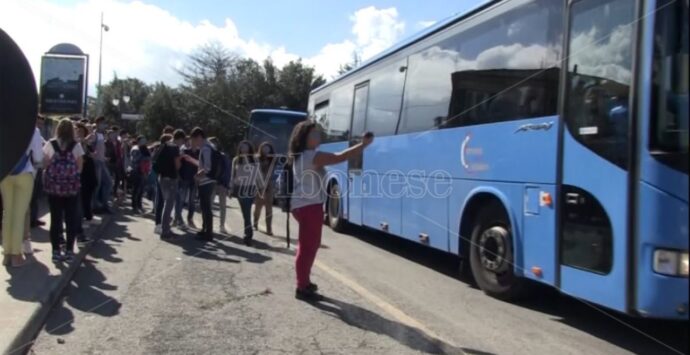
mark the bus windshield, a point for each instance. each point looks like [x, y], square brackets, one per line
[669, 138]
[274, 128]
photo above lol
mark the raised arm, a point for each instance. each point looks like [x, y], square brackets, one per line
[323, 158]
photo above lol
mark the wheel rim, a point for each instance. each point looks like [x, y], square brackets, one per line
[493, 248]
[334, 204]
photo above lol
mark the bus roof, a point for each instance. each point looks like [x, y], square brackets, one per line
[281, 112]
[433, 29]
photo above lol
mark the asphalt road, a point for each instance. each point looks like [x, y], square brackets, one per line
[137, 294]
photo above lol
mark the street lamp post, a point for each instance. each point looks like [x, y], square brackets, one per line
[104, 28]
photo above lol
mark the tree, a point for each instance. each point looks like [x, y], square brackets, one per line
[356, 61]
[165, 106]
[135, 89]
[220, 90]
[296, 82]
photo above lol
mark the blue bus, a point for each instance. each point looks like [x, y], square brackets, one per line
[536, 139]
[274, 126]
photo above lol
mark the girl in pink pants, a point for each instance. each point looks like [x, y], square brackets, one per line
[309, 194]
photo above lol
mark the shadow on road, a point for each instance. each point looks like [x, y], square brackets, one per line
[634, 334]
[85, 294]
[369, 321]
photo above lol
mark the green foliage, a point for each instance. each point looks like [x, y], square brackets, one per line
[220, 90]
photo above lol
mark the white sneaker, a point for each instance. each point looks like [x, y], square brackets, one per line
[158, 230]
[26, 247]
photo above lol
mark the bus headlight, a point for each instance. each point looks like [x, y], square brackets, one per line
[670, 262]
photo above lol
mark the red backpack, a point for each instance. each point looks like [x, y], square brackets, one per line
[61, 177]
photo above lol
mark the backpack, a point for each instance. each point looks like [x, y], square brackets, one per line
[61, 177]
[157, 162]
[226, 174]
[219, 166]
[145, 166]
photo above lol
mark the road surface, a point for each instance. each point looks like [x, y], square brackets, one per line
[137, 294]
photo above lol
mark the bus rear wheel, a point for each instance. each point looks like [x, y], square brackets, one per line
[491, 254]
[333, 212]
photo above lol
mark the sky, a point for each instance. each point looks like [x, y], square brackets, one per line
[151, 39]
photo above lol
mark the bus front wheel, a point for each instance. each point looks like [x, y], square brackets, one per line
[491, 254]
[333, 213]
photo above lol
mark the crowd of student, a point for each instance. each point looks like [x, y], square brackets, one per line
[87, 168]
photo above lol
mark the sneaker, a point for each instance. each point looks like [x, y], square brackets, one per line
[57, 257]
[248, 241]
[69, 256]
[190, 224]
[256, 227]
[223, 230]
[83, 239]
[313, 287]
[308, 295]
[158, 230]
[203, 236]
[167, 236]
[26, 247]
[181, 225]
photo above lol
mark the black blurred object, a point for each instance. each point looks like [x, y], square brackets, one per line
[18, 104]
[368, 135]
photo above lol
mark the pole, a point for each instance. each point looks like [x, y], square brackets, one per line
[100, 66]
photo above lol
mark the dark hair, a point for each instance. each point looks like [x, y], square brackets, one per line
[298, 139]
[260, 152]
[250, 155]
[40, 118]
[114, 129]
[82, 127]
[166, 138]
[100, 119]
[123, 132]
[140, 137]
[179, 134]
[198, 132]
[168, 129]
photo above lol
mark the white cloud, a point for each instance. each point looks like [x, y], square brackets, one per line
[144, 41]
[374, 31]
[148, 42]
[425, 24]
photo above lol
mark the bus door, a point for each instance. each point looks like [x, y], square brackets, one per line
[596, 165]
[354, 165]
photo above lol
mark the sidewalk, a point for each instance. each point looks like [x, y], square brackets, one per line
[30, 291]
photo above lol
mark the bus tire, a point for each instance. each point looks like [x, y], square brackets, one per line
[333, 209]
[491, 253]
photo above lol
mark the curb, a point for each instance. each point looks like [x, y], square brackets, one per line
[24, 339]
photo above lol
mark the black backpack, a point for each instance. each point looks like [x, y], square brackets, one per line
[218, 166]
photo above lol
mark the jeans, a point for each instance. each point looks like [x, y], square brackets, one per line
[62, 211]
[205, 199]
[105, 185]
[158, 203]
[138, 182]
[310, 219]
[168, 192]
[86, 199]
[185, 192]
[264, 199]
[246, 203]
[16, 197]
[222, 193]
